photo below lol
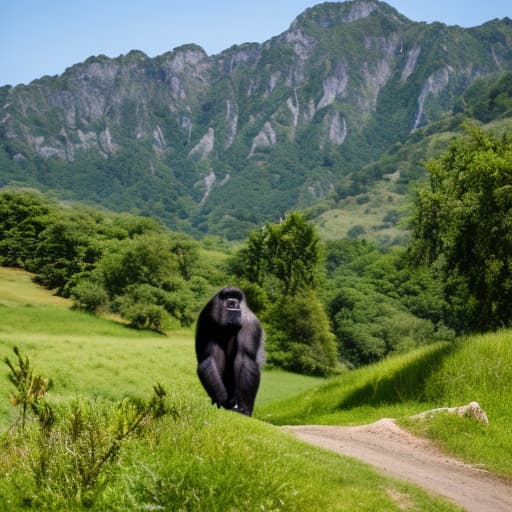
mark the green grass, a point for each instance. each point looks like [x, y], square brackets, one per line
[16, 287]
[480, 369]
[199, 459]
[391, 388]
[368, 211]
[476, 368]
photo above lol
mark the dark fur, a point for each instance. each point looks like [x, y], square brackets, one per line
[229, 349]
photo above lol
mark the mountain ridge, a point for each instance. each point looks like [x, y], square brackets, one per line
[219, 144]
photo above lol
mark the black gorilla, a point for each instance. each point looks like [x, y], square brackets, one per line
[229, 349]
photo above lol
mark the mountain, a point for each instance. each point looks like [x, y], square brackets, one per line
[219, 144]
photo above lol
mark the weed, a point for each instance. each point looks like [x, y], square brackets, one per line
[72, 454]
[30, 390]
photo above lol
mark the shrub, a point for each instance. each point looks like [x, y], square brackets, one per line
[89, 296]
[299, 336]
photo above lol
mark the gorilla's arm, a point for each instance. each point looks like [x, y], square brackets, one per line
[247, 366]
[248, 381]
[209, 372]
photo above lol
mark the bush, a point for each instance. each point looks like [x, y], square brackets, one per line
[89, 296]
[140, 306]
[299, 337]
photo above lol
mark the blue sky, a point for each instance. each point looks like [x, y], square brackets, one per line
[44, 37]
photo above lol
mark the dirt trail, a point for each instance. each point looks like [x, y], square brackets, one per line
[401, 455]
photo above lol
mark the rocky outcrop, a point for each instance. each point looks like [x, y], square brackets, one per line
[472, 410]
[434, 84]
[333, 87]
[266, 138]
[204, 147]
[410, 65]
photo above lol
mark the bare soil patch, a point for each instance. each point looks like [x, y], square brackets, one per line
[399, 454]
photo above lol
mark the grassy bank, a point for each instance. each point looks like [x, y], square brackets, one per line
[476, 368]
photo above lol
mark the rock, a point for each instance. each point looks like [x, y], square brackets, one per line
[472, 410]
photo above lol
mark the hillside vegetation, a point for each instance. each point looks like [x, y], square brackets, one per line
[195, 457]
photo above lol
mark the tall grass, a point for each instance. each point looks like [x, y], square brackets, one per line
[476, 368]
[394, 386]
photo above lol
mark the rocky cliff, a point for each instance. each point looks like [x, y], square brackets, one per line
[220, 143]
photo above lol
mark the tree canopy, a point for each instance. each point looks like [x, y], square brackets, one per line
[463, 229]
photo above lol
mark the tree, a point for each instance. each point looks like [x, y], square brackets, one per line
[290, 251]
[23, 216]
[299, 335]
[285, 263]
[68, 245]
[463, 229]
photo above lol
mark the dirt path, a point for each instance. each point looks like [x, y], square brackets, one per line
[401, 455]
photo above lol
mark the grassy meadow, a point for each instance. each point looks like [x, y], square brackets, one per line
[197, 458]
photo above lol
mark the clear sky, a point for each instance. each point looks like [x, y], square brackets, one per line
[44, 37]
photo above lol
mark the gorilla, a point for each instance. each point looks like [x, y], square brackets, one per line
[229, 350]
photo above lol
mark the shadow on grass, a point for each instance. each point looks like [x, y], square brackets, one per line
[406, 383]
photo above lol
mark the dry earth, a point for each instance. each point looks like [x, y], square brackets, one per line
[399, 454]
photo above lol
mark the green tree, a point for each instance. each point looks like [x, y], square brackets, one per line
[68, 245]
[290, 251]
[463, 229]
[23, 216]
[285, 264]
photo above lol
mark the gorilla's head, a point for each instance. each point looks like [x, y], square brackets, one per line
[229, 305]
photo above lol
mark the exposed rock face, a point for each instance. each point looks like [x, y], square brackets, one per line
[434, 84]
[410, 65]
[337, 129]
[333, 86]
[266, 138]
[205, 146]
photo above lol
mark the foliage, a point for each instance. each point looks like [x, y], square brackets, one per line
[90, 296]
[30, 388]
[489, 98]
[299, 336]
[68, 245]
[284, 263]
[290, 251]
[462, 228]
[71, 455]
[107, 262]
[379, 304]
[23, 216]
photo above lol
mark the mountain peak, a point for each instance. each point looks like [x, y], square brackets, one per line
[329, 14]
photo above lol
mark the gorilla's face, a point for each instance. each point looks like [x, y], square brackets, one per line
[231, 300]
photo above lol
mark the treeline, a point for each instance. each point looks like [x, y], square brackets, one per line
[106, 262]
[454, 277]
[323, 305]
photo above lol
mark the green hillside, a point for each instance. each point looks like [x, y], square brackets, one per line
[197, 141]
[196, 458]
